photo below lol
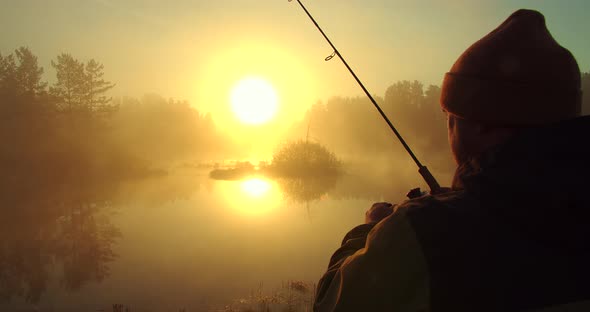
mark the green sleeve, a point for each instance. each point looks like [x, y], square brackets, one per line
[388, 273]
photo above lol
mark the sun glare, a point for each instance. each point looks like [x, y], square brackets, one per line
[255, 187]
[254, 101]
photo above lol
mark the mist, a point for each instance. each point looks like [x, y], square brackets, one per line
[101, 190]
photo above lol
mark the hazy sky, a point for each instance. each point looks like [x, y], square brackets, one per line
[197, 50]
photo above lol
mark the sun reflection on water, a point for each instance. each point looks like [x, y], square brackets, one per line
[255, 187]
[253, 197]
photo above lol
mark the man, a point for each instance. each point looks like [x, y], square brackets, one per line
[513, 234]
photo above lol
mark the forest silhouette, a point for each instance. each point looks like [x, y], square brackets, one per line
[66, 147]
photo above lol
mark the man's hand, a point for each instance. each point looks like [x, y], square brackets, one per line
[378, 212]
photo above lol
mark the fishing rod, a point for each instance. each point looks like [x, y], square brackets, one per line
[424, 172]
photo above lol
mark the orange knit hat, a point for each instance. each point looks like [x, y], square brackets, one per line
[517, 75]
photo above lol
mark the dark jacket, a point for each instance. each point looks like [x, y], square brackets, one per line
[513, 235]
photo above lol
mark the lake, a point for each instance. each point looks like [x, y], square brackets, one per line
[177, 241]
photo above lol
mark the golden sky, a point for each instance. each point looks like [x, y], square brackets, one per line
[197, 50]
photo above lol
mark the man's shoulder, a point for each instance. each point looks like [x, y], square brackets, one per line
[426, 204]
[437, 214]
[440, 209]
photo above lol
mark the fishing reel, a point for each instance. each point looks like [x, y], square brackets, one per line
[415, 193]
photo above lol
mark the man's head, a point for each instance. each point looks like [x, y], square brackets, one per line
[470, 139]
[515, 77]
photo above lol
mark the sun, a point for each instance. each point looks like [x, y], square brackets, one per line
[254, 101]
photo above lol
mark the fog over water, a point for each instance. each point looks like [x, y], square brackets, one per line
[182, 240]
[135, 179]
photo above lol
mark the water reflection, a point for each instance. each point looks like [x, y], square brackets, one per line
[369, 182]
[182, 232]
[306, 189]
[255, 187]
[255, 196]
[53, 231]
[85, 245]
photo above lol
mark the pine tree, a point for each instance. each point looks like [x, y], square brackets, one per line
[28, 73]
[70, 85]
[96, 87]
[21, 88]
[7, 75]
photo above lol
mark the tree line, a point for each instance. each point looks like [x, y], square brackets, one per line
[79, 87]
[65, 149]
[72, 125]
[353, 129]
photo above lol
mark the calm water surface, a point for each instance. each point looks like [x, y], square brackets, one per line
[178, 241]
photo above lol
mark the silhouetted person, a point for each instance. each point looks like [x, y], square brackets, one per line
[513, 234]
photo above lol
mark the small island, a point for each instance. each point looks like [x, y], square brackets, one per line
[299, 159]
